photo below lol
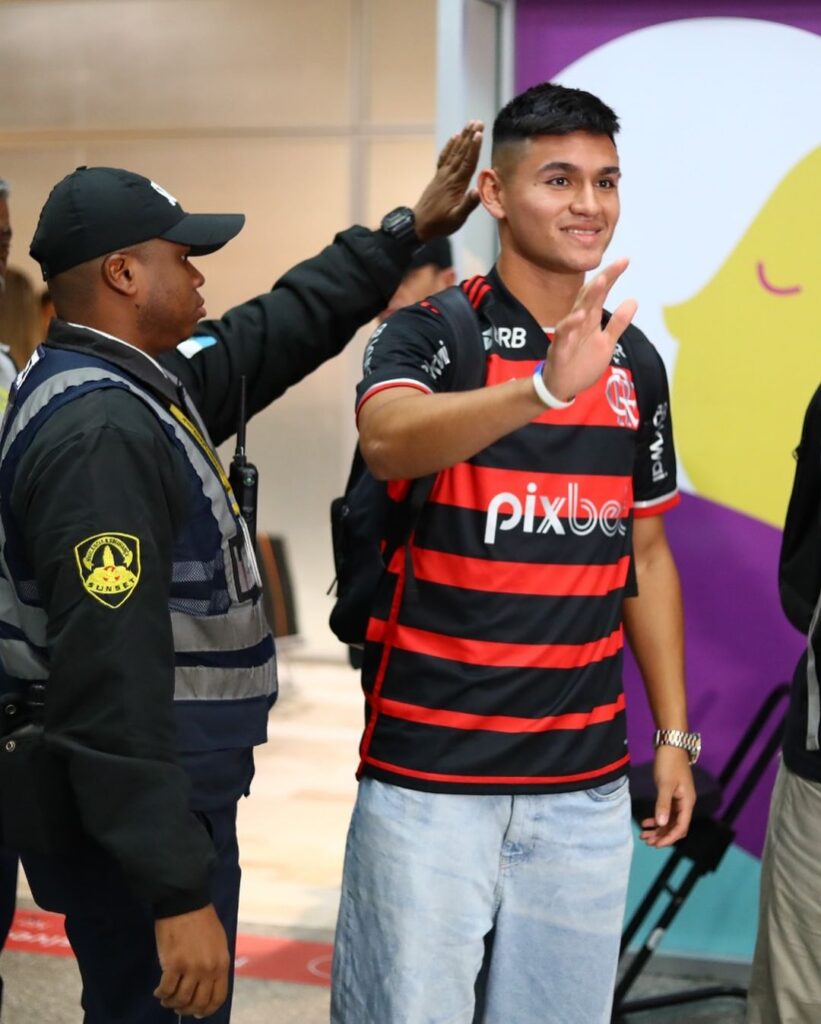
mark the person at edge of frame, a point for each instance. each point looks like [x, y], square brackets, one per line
[8, 368]
[20, 323]
[128, 573]
[785, 985]
[489, 847]
[8, 371]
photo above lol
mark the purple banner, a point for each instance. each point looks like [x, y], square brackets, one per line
[550, 36]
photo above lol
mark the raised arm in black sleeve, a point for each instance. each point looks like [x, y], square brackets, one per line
[100, 476]
[278, 338]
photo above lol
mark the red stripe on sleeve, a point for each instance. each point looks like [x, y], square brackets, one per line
[404, 382]
[641, 512]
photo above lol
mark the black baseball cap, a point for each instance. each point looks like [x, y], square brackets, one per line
[97, 210]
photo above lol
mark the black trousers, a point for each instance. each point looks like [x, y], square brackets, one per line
[112, 932]
[8, 897]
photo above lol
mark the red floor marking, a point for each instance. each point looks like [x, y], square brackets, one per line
[258, 956]
[279, 959]
[33, 931]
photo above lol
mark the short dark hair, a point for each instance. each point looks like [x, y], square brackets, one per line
[550, 109]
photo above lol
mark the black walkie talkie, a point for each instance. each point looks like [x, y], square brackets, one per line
[243, 475]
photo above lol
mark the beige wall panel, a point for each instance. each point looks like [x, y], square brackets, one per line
[293, 192]
[302, 445]
[32, 172]
[169, 64]
[402, 49]
[398, 170]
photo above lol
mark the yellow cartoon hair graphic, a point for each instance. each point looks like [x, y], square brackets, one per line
[750, 354]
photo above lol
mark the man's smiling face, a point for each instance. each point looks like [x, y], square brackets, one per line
[560, 198]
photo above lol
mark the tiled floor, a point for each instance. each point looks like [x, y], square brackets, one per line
[292, 834]
[292, 829]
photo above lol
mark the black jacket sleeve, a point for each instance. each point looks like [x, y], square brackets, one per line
[278, 338]
[100, 469]
[799, 570]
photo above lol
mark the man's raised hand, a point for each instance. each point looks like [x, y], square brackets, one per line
[581, 351]
[448, 200]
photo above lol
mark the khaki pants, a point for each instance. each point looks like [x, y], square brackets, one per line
[785, 987]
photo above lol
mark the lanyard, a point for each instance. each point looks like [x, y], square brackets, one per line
[191, 428]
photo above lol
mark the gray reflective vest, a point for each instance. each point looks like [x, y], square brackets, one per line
[225, 669]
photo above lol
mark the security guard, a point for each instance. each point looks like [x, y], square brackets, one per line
[129, 586]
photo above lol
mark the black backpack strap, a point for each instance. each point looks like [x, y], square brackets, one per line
[469, 371]
[364, 515]
[468, 355]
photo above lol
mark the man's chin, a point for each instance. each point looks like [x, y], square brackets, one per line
[590, 260]
[573, 267]
[192, 328]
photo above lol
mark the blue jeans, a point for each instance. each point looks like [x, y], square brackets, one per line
[429, 877]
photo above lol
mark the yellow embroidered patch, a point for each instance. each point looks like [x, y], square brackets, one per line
[109, 565]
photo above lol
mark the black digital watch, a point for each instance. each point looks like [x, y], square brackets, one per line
[401, 225]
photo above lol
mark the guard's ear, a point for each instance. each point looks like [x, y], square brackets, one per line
[117, 270]
[491, 192]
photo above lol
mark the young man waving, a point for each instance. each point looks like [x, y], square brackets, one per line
[492, 822]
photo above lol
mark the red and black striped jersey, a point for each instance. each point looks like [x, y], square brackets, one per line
[495, 666]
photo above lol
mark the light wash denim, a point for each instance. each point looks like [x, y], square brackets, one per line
[429, 875]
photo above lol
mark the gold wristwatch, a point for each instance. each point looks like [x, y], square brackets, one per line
[689, 741]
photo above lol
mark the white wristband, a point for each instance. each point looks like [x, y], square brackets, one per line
[545, 396]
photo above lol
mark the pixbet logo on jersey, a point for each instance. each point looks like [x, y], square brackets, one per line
[560, 514]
